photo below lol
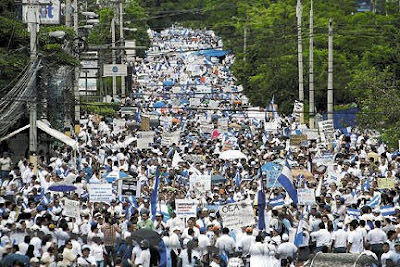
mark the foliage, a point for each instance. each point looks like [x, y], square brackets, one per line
[102, 109]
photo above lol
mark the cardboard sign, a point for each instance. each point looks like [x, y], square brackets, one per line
[200, 183]
[145, 139]
[170, 138]
[72, 208]
[185, 208]
[237, 215]
[306, 196]
[100, 192]
[295, 140]
[385, 183]
[145, 123]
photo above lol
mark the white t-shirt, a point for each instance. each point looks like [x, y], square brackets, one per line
[340, 238]
[356, 240]
[144, 258]
[185, 258]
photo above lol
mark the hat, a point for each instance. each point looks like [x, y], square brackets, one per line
[176, 228]
[397, 243]
[34, 260]
[52, 226]
[340, 225]
[85, 247]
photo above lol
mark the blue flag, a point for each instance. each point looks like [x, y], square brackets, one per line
[298, 238]
[286, 180]
[154, 195]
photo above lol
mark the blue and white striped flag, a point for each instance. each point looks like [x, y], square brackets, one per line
[375, 201]
[298, 238]
[286, 180]
[353, 212]
[132, 200]
[276, 202]
[154, 195]
[388, 210]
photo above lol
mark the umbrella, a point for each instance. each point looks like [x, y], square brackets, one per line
[232, 155]
[62, 187]
[114, 175]
[152, 236]
[159, 104]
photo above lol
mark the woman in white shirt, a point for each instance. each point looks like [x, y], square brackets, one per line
[188, 256]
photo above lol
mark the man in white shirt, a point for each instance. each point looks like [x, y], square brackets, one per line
[144, 258]
[376, 237]
[225, 242]
[86, 260]
[287, 250]
[246, 241]
[339, 239]
[322, 238]
[355, 240]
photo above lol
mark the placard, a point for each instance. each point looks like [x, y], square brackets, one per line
[312, 134]
[119, 126]
[326, 129]
[295, 140]
[186, 208]
[170, 138]
[237, 215]
[385, 183]
[271, 127]
[200, 183]
[145, 123]
[100, 192]
[145, 139]
[71, 208]
[306, 196]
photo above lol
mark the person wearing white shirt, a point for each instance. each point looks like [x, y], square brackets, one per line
[339, 239]
[322, 238]
[225, 242]
[245, 242]
[86, 260]
[355, 240]
[23, 247]
[286, 250]
[376, 237]
[144, 257]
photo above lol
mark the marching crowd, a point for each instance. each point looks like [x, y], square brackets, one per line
[353, 180]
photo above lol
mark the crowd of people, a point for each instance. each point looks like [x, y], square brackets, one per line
[353, 178]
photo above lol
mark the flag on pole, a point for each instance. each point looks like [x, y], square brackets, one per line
[138, 116]
[353, 212]
[176, 159]
[298, 238]
[132, 200]
[286, 180]
[261, 204]
[154, 195]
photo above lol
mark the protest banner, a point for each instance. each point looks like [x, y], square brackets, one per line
[385, 183]
[271, 127]
[193, 158]
[118, 126]
[100, 192]
[200, 183]
[272, 170]
[295, 140]
[185, 208]
[71, 208]
[166, 122]
[145, 139]
[326, 129]
[298, 110]
[170, 138]
[312, 134]
[323, 159]
[145, 123]
[306, 196]
[237, 215]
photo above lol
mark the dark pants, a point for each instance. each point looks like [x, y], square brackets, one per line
[323, 249]
[174, 259]
[339, 250]
[304, 254]
[110, 255]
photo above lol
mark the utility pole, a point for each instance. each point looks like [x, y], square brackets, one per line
[244, 43]
[299, 13]
[68, 13]
[311, 69]
[122, 43]
[330, 71]
[33, 28]
[114, 79]
[77, 75]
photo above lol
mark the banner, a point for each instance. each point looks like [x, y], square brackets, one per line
[170, 138]
[186, 208]
[306, 196]
[325, 159]
[385, 183]
[145, 139]
[312, 134]
[237, 215]
[100, 192]
[295, 140]
[166, 123]
[298, 110]
[271, 127]
[326, 129]
[272, 170]
[200, 183]
[71, 208]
